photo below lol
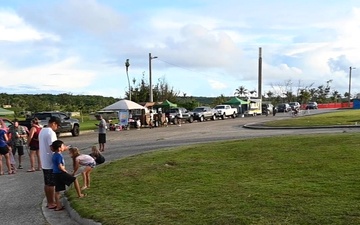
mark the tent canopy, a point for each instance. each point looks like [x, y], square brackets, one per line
[236, 101]
[167, 103]
[123, 104]
[4, 112]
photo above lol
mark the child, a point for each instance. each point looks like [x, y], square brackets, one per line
[82, 160]
[138, 123]
[95, 153]
[62, 178]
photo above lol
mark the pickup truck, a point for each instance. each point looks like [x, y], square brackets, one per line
[203, 113]
[172, 113]
[67, 124]
[224, 111]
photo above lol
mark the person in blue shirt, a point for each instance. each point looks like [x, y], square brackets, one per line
[62, 177]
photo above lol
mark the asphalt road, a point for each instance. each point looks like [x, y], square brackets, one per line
[22, 193]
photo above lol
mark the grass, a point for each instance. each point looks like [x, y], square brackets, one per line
[287, 180]
[283, 180]
[342, 117]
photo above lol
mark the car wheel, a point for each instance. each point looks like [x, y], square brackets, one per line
[234, 115]
[201, 119]
[191, 119]
[213, 117]
[57, 134]
[75, 131]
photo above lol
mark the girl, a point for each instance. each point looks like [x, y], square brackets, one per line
[4, 151]
[82, 160]
[33, 143]
[95, 153]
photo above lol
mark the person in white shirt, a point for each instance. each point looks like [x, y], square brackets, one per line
[47, 136]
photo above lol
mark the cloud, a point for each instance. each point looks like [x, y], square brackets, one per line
[14, 29]
[217, 85]
[340, 63]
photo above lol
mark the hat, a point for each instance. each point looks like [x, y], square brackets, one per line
[56, 120]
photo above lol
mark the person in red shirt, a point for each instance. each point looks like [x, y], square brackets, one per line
[33, 143]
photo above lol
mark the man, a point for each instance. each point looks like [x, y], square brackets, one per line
[18, 140]
[102, 132]
[47, 136]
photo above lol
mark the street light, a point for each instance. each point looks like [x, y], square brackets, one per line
[150, 78]
[127, 64]
[351, 68]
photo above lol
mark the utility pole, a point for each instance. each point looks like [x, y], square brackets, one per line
[260, 76]
[151, 99]
[127, 64]
[350, 69]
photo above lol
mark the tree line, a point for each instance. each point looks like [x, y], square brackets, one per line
[162, 91]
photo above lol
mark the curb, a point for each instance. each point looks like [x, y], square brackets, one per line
[264, 127]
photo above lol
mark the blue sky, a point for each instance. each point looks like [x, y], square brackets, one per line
[204, 47]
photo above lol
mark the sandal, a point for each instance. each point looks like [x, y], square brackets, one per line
[2, 173]
[31, 170]
[62, 208]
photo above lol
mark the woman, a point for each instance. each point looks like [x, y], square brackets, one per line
[4, 151]
[33, 143]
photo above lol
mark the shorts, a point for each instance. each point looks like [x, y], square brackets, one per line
[4, 150]
[34, 148]
[19, 149]
[62, 179]
[49, 178]
[102, 138]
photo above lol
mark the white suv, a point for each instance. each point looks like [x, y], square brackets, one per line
[294, 105]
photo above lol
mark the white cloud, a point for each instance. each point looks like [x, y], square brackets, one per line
[14, 29]
[217, 85]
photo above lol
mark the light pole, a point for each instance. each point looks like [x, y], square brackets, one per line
[150, 78]
[351, 68]
[127, 64]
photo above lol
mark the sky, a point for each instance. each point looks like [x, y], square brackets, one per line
[203, 47]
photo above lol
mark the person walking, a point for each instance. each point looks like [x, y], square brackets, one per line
[47, 136]
[33, 143]
[4, 151]
[102, 132]
[18, 137]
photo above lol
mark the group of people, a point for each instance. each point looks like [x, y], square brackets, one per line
[47, 150]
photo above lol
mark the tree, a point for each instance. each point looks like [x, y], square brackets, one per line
[241, 91]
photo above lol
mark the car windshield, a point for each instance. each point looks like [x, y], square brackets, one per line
[220, 107]
[198, 110]
[43, 116]
[292, 103]
[172, 111]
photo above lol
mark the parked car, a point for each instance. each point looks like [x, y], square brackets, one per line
[172, 113]
[67, 124]
[267, 108]
[203, 113]
[283, 107]
[6, 123]
[295, 105]
[312, 105]
[224, 111]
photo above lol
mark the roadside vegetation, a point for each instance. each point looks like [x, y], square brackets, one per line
[340, 117]
[284, 180]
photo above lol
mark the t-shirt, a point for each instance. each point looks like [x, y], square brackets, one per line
[17, 141]
[98, 159]
[2, 138]
[57, 159]
[85, 160]
[46, 137]
[102, 126]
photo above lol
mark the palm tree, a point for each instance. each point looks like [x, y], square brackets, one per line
[241, 91]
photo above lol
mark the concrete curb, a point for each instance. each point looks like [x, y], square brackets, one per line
[262, 126]
[75, 216]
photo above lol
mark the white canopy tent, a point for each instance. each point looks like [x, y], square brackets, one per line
[123, 105]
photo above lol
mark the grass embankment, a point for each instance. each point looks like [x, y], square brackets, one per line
[341, 117]
[283, 180]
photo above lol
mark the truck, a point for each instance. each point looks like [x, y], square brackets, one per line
[203, 113]
[68, 124]
[172, 115]
[224, 111]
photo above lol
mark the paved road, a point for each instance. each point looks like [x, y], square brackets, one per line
[22, 194]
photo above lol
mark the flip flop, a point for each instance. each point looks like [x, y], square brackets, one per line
[62, 208]
[30, 170]
[52, 207]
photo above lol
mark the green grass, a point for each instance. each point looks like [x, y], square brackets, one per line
[342, 117]
[284, 180]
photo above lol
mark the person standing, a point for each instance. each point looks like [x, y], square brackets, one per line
[47, 136]
[33, 143]
[4, 151]
[102, 132]
[179, 118]
[18, 135]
